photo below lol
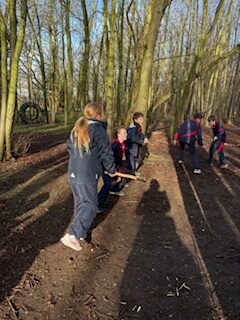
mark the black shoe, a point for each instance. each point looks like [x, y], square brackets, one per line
[100, 210]
[208, 162]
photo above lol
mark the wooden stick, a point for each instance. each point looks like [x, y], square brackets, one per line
[11, 306]
[127, 176]
[130, 176]
[232, 144]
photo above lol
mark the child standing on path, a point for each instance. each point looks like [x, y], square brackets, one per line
[110, 186]
[135, 140]
[187, 134]
[89, 151]
[219, 138]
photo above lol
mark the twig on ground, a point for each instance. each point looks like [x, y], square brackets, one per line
[184, 286]
[11, 306]
[88, 299]
[103, 314]
[102, 255]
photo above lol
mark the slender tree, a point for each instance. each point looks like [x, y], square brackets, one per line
[13, 76]
[110, 107]
[142, 80]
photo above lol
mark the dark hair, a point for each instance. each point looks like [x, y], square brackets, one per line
[211, 118]
[118, 129]
[137, 115]
[197, 115]
[186, 117]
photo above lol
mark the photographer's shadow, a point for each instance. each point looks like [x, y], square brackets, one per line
[140, 287]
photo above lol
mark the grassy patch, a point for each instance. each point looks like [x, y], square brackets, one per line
[42, 128]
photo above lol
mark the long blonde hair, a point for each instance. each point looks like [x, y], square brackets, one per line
[80, 130]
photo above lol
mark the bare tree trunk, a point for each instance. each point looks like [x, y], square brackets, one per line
[13, 26]
[110, 107]
[4, 86]
[13, 79]
[142, 81]
[96, 71]
[230, 112]
[106, 56]
[53, 65]
[69, 74]
[85, 61]
[198, 56]
[38, 39]
[120, 60]
[29, 79]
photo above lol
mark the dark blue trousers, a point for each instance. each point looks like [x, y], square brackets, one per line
[133, 162]
[85, 209]
[108, 185]
[192, 151]
[213, 148]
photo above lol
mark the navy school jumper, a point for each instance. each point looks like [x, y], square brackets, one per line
[218, 144]
[135, 140]
[188, 132]
[84, 170]
[118, 149]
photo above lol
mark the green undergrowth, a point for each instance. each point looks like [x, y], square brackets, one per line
[42, 128]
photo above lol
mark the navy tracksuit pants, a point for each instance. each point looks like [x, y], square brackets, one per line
[108, 185]
[85, 208]
[133, 163]
[213, 148]
[192, 151]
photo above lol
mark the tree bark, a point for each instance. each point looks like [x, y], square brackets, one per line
[110, 108]
[142, 80]
[69, 68]
[4, 85]
[13, 79]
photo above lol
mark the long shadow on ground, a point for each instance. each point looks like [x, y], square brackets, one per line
[158, 266]
[44, 141]
[21, 248]
[212, 204]
[22, 240]
[24, 174]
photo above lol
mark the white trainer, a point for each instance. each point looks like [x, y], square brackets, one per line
[197, 171]
[71, 242]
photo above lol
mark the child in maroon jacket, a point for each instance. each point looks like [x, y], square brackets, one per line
[135, 140]
[113, 186]
[217, 145]
[187, 134]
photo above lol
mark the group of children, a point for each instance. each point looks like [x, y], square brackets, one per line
[190, 131]
[127, 158]
[91, 156]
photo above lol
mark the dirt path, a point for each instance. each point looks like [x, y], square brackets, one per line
[169, 249]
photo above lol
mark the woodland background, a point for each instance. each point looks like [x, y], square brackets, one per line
[164, 58]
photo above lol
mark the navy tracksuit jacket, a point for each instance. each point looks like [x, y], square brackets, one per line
[218, 145]
[135, 139]
[83, 172]
[118, 149]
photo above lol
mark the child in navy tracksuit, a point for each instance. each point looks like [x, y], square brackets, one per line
[110, 185]
[135, 140]
[89, 151]
[219, 138]
[187, 134]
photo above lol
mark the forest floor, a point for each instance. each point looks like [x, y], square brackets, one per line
[168, 249]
